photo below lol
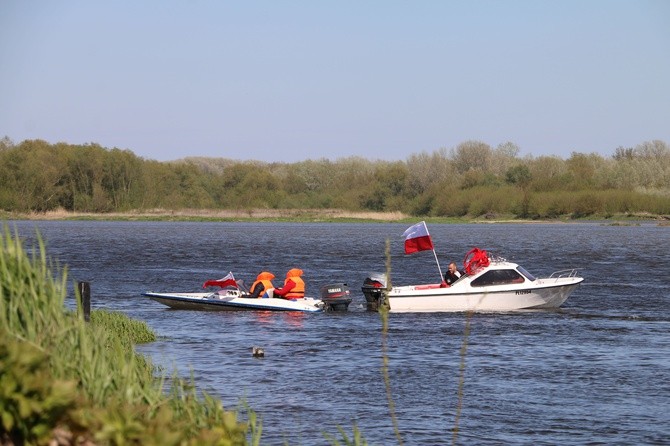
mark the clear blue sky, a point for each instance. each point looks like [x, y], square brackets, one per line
[295, 80]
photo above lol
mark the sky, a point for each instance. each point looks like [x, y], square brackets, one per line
[294, 80]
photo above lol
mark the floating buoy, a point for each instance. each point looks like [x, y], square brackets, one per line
[257, 352]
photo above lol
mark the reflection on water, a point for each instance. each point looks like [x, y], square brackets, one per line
[595, 371]
[292, 319]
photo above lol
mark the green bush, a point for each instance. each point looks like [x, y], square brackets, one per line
[31, 402]
[585, 204]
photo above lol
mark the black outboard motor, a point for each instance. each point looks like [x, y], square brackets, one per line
[372, 288]
[336, 297]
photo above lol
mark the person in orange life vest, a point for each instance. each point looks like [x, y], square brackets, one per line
[262, 284]
[294, 286]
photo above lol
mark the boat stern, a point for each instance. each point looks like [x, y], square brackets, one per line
[373, 289]
[336, 297]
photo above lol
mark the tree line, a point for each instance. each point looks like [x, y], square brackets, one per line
[469, 180]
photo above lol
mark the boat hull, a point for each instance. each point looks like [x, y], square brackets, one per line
[232, 302]
[541, 296]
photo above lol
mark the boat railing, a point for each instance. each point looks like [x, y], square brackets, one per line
[564, 274]
[497, 259]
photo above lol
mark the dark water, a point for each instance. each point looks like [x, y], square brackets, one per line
[595, 372]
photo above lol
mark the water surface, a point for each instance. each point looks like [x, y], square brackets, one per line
[597, 371]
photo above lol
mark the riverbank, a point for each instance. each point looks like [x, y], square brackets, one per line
[313, 215]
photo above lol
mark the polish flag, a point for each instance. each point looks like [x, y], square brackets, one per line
[229, 280]
[417, 238]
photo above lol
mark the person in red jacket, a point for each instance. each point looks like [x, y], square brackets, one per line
[294, 286]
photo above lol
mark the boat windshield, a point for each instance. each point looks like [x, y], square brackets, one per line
[528, 275]
[498, 277]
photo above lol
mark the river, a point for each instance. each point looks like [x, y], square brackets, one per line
[597, 371]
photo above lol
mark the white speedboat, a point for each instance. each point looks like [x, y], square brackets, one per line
[226, 300]
[490, 285]
[334, 297]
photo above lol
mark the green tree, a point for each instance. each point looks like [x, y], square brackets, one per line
[504, 157]
[583, 169]
[548, 173]
[425, 170]
[6, 143]
[122, 179]
[85, 165]
[473, 155]
[622, 153]
[521, 177]
[38, 175]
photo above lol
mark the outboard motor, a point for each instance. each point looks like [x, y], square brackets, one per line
[335, 297]
[372, 288]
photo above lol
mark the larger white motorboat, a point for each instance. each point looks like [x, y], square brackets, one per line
[490, 284]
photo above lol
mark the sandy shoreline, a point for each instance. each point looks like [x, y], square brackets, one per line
[310, 215]
[215, 214]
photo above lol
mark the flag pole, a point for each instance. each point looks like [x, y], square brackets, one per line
[419, 239]
[438, 266]
[434, 253]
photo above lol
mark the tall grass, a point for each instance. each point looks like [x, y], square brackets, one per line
[62, 378]
[125, 330]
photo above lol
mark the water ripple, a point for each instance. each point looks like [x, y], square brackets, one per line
[594, 372]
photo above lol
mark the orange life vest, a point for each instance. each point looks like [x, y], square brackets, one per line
[298, 291]
[266, 279]
[266, 285]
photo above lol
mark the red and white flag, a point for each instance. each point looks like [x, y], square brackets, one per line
[229, 280]
[417, 238]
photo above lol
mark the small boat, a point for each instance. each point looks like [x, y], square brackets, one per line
[227, 300]
[490, 284]
[334, 297]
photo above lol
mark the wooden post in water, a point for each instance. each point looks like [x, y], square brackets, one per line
[85, 296]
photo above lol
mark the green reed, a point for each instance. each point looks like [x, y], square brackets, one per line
[384, 308]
